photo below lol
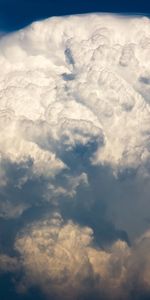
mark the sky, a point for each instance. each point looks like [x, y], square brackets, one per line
[74, 150]
[15, 14]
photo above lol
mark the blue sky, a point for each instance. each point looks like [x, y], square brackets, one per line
[15, 14]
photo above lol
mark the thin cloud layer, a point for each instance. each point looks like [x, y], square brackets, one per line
[74, 120]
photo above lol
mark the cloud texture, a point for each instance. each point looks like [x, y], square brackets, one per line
[63, 261]
[74, 155]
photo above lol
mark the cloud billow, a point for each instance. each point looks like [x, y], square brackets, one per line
[74, 156]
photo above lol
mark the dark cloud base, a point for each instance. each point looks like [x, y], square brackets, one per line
[8, 291]
[85, 213]
[84, 209]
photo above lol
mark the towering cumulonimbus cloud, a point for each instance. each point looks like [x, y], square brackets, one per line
[74, 156]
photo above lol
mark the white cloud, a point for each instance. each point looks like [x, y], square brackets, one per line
[102, 98]
[65, 84]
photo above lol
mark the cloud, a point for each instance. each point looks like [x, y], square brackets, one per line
[8, 264]
[102, 100]
[62, 89]
[62, 260]
[74, 121]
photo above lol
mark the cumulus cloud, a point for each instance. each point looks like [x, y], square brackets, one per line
[62, 259]
[62, 87]
[102, 99]
[74, 121]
